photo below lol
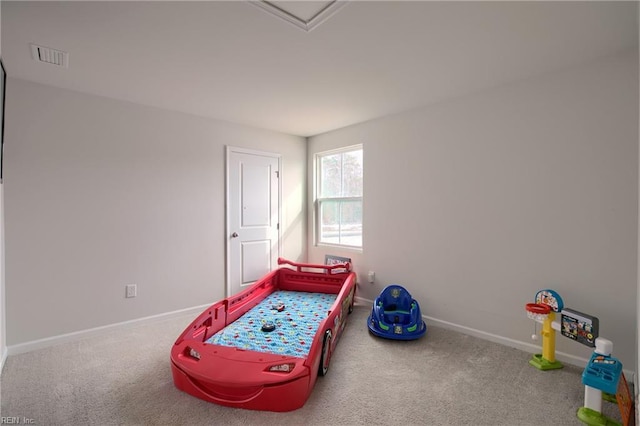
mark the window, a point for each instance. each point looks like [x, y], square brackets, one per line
[338, 207]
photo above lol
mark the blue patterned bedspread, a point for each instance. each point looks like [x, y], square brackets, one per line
[295, 325]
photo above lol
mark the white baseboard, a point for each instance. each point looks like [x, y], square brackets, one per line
[516, 344]
[97, 331]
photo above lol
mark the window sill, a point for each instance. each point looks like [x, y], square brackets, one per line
[350, 249]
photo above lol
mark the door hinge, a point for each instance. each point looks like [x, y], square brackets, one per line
[277, 226]
[278, 174]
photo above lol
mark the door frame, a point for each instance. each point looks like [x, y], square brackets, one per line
[228, 151]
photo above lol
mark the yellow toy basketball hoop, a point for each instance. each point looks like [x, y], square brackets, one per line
[538, 312]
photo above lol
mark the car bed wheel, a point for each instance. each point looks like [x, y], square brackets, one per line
[326, 354]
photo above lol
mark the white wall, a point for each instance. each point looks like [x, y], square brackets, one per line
[636, 388]
[3, 331]
[477, 203]
[101, 193]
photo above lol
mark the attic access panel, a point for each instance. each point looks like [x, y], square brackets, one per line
[305, 15]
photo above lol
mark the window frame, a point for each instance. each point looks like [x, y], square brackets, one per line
[318, 201]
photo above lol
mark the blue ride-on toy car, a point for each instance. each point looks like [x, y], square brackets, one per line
[396, 315]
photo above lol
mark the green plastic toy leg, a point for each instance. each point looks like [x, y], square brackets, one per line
[594, 418]
[544, 364]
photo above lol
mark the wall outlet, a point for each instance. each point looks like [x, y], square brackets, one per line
[371, 277]
[131, 290]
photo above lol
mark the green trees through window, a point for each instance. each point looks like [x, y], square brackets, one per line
[339, 189]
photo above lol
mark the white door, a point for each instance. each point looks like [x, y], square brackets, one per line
[253, 211]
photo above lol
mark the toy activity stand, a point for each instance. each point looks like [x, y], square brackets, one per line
[543, 311]
[602, 377]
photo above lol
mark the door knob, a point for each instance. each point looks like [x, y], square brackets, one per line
[234, 235]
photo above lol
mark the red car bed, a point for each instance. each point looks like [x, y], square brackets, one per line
[263, 348]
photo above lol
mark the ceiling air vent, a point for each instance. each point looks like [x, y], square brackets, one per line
[50, 56]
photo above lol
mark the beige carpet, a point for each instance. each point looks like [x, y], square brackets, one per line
[446, 378]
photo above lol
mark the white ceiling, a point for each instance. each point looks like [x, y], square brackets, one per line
[235, 62]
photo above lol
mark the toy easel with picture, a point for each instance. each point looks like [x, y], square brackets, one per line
[602, 377]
